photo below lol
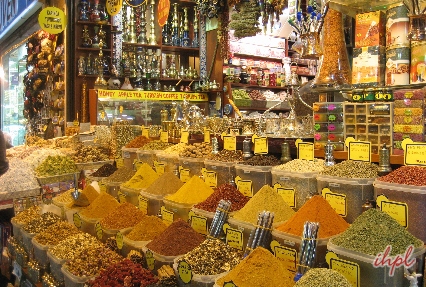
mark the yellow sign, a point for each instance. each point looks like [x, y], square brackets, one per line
[137, 164]
[229, 284]
[234, 238]
[336, 200]
[102, 186]
[145, 132]
[159, 168]
[76, 123]
[152, 95]
[119, 162]
[210, 178]
[244, 186]
[77, 220]
[261, 145]
[119, 240]
[184, 136]
[164, 137]
[44, 128]
[206, 136]
[99, 231]
[360, 151]
[305, 151]
[168, 216]
[349, 270]
[52, 20]
[113, 6]
[184, 175]
[288, 194]
[184, 271]
[229, 143]
[199, 223]
[286, 255]
[397, 210]
[143, 203]
[122, 197]
[415, 154]
[150, 260]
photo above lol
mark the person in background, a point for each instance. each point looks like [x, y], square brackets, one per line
[4, 164]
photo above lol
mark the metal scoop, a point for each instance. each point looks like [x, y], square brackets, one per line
[75, 194]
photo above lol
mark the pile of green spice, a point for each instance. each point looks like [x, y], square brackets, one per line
[352, 169]
[156, 145]
[373, 231]
[228, 156]
[265, 199]
[104, 171]
[262, 160]
[167, 183]
[227, 192]
[323, 277]
[56, 165]
[122, 174]
[212, 257]
[41, 223]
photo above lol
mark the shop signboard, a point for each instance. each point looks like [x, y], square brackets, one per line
[11, 10]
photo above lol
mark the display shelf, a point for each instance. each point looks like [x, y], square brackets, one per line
[93, 49]
[259, 57]
[262, 109]
[186, 2]
[179, 49]
[343, 155]
[183, 80]
[258, 87]
[93, 23]
[142, 45]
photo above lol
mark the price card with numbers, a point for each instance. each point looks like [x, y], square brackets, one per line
[348, 269]
[210, 178]
[184, 271]
[305, 150]
[336, 200]
[229, 142]
[234, 238]
[164, 137]
[167, 216]
[145, 132]
[122, 197]
[99, 231]
[143, 203]
[287, 256]
[150, 260]
[119, 162]
[184, 136]
[102, 186]
[199, 223]
[185, 175]
[397, 210]
[77, 220]
[359, 151]
[244, 186]
[414, 153]
[206, 135]
[288, 194]
[261, 145]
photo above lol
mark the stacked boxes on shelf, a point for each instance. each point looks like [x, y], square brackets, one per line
[369, 122]
[328, 125]
[408, 117]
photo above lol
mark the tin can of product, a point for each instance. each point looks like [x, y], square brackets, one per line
[397, 25]
[369, 94]
[418, 62]
[358, 95]
[398, 65]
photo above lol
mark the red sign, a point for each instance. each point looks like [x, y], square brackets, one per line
[163, 12]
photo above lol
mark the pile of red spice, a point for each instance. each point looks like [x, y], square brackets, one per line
[227, 192]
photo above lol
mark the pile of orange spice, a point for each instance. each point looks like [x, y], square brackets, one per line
[316, 209]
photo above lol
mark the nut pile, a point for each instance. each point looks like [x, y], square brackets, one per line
[37, 141]
[227, 192]
[197, 150]
[122, 174]
[257, 96]
[121, 134]
[228, 155]
[41, 223]
[212, 257]
[91, 261]
[27, 215]
[175, 149]
[19, 177]
[138, 142]
[156, 145]
[55, 233]
[21, 151]
[90, 154]
[411, 175]
[126, 215]
[56, 165]
[36, 158]
[302, 165]
[124, 273]
[68, 248]
[352, 169]
[262, 160]
[104, 171]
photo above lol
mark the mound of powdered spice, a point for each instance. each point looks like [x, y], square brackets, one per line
[323, 277]
[101, 206]
[143, 178]
[55, 233]
[147, 229]
[373, 231]
[410, 175]
[316, 209]
[178, 239]
[227, 192]
[167, 183]
[124, 216]
[122, 174]
[104, 171]
[194, 191]
[265, 199]
[260, 269]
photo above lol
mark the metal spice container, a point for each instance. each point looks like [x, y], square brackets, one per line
[397, 65]
[418, 62]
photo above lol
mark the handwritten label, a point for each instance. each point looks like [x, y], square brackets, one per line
[288, 194]
[184, 175]
[184, 136]
[145, 132]
[159, 168]
[119, 240]
[167, 216]
[113, 7]
[210, 178]
[360, 151]
[143, 203]
[126, 154]
[348, 269]
[415, 154]
[229, 142]
[52, 20]
[229, 284]
[77, 220]
[76, 123]
[207, 136]
[305, 151]
[397, 210]
[261, 145]
[164, 137]
[199, 223]
[102, 187]
[245, 187]
[336, 200]
[137, 164]
[122, 197]
[99, 231]
[184, 271]
[150, 260]
[287, 256]
[119, 162]
[234, 238]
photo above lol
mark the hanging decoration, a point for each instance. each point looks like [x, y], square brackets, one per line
[211, 8]
[114, 6]
[223, 34]
[245, 22]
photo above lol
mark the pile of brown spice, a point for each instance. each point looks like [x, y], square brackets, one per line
[101, 206]
[124, 216]
[147, 229]
[104, 171]
[138, 142]
[122, 174]
[178, 239]
[167, 183]
[227, 192]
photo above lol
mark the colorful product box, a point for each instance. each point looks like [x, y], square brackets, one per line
[370, 29]
[368, 66]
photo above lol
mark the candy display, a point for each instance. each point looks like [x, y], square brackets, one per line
[19, 177]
